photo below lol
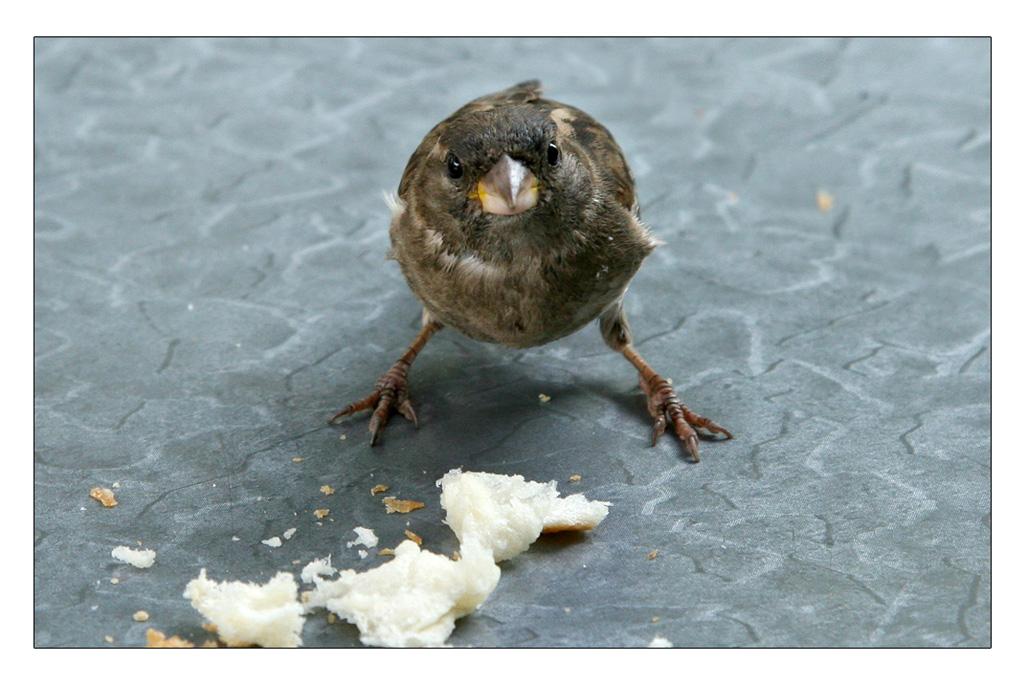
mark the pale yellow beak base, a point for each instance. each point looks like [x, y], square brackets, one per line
[508, 188]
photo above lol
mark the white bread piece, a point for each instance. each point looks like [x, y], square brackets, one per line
[250, 614]
[412, 600]
[318, 567]
[365, 536]
[140, 558]
[506, 514]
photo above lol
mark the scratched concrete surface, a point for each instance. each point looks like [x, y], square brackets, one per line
[210, 286]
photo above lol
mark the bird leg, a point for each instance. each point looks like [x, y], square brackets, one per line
[665, 407]
[661, 400]
[391, 390]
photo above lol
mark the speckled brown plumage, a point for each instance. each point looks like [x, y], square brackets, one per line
[521, 266]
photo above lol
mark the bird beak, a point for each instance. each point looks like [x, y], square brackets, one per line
[508, 188]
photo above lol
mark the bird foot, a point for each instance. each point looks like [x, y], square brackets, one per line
[390, 393]
[666, 408]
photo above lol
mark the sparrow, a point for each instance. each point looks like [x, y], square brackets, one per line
[516, 222]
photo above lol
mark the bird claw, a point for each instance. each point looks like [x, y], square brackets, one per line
[666, 408]
[390, 393]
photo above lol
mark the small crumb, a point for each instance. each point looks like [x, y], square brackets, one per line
[140, 558]
[272, 542]
[387, 552]
[400, 506]
[104, 496]
[108, 639]
[652, 555]
[140, 616]
[543, 397]
[155, 638]
[210, 627]
[413, 537]
[362, 553]
[321, 513]
[328, 489]
[115, 485]
[295, 562]
[379, 488]
[825, 202]
[575, 478]
[289, 533]
[659, 641]
[297, 460]
[567, 610]
[210, 643]
[115, 581]
[316, 569]
[236, 538]
[365, 536]
[456, 555]
[331, 617]
[654, 619]
[342, 437]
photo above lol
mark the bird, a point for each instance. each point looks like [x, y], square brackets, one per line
[516, 222]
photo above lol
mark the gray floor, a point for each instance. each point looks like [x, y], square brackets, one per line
[210, 286]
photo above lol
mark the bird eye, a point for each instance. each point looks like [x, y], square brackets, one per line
[453, 166]
[553, 154]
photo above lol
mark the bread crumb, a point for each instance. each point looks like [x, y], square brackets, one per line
[141, 616]
[400, 506]
[316, 568]
[825, 202]
[412, 600]
[115, 581]
[321, 513]
[575, 478]
[379, 488]
[659, 641]
[108, 639]
[386, 552]
[297, 460]
[249, 614]
[654, 619]
[272, 542]
[544, 398]
[140, 558]
[104, 496]
[289, 533]
[342, 437]
[328, 489]
[508, 513]
[652, 555]
[365, 536]
[155, 638]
